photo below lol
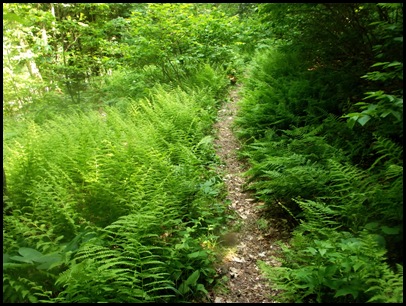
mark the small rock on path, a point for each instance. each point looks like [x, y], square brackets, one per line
[245, 284]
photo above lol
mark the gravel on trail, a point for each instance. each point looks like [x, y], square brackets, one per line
[243, 280]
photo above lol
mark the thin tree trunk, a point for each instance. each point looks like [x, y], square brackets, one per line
[30, 63]
[13, 81]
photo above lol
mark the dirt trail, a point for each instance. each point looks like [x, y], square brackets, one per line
[255, 239]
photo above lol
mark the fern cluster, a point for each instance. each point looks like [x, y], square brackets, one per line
[119, 200]
[286, 166]
[125, 264]
[341, 187]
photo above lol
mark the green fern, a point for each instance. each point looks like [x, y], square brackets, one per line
[388, 150]
[318, 215]
[139, 258]
[23, 289]
[143, 175]
[362, 197]
[119, 268]
[389, 288]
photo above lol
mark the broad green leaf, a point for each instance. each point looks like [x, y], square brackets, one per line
[372, 225]
[311, 250]
[30, 254]
[192, 279]
[201, 288]
[322, 251]
[50, 263]
[6, 258]
[395, 63]
[21, 259]
[24, 293]
[330, 270]
[346, 291]
[351, 122]
[32, 299]
[390, 230]
[396, 114]
[371, 108]
[197, 254]
[332, 283]
[15, 265]
[53, 257]
[386, 113]
[184, 288]
[399, 102]
[379, 240]
[358, 265]
[364, 119]
[380, 64]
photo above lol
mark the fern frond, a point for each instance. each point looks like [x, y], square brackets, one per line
[389, 287]
[345, 178]
[318, 212]
[95, 252]
[389, 151]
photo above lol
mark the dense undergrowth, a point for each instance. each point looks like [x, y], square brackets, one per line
[113, 192]
[339, 182]
[115, 204]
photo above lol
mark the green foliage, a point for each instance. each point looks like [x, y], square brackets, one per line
[325, 265]
[283, 89]
[332, 34]
[386, 104]
[294, 164]
[148, 255]
[145, 175]
[114, 200]
[87, 160]
[122, 266]
[17, 289]
[61, 53]
[389, 288]
[340, 268]
[189, 263]
[176, 37]
[383, 102]
[208, 77]
[341, 182]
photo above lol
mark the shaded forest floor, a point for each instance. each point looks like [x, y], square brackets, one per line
[252, 237]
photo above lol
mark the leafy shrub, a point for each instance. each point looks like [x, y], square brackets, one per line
[339, 268]
[177, 37]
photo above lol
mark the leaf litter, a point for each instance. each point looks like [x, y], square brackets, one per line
[241, 278]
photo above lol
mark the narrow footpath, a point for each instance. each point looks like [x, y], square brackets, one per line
[254, 240]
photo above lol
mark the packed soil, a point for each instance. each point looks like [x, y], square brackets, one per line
[254, 239]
